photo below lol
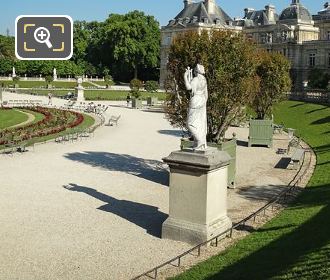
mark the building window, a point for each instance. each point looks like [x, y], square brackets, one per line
[285, 52]
[328, 35]
[167, 40]
[312, 59]
[329, 59]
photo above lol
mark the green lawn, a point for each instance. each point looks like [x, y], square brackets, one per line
[44, 92]
[37, 116]
[101, 83]
[10, 118]
[296, 244]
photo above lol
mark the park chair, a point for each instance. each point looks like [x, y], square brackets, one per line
[113, 120]
[9, 147]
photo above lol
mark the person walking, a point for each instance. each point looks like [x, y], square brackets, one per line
[50, 102]
[128, 99]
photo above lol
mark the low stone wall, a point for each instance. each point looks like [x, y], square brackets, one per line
[322, 97]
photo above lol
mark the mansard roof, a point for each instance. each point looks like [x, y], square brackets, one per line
[324, 13]
[255, 18]
[197, 13]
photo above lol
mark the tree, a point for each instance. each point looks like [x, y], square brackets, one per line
[49, 79]
[6, 66]
[136, 86]
[318, 79]
[108, 78]
[7, 47]
[152, 86]
[230, 63]
[134, 39]
[274, 74]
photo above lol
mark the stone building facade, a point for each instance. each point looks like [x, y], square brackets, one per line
[303, 38]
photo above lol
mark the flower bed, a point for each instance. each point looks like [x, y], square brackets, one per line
[55, 121]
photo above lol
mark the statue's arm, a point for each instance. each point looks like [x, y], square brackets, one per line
[186, 80]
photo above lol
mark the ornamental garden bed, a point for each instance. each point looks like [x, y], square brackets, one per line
[54, 121]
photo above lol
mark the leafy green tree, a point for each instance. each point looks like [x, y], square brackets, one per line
[274, 74]
[49, 79]
[16, 80]
[134, 39]
[318, 79]
[151, 86]
[136, 85]
[6, 66]
[230, 64]
[7, 47]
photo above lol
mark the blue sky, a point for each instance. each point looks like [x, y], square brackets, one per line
[89, 10]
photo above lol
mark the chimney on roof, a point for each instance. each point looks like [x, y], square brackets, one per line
[270, 12]
[211, 6]
[247, 11]
[187, 3]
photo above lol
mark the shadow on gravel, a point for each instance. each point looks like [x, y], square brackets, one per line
[172, 132]
[242, 143]
[283, 163]
[261, 193]
[144, 216]
[151, 170]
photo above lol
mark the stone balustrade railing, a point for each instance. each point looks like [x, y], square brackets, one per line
[40, 78]
[314, 96]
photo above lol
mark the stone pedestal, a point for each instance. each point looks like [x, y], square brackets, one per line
[198, 196]
[80, 94]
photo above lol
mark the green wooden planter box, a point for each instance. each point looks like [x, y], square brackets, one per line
[136, 103]
[152, 101]
[261, 132]
[229, 146]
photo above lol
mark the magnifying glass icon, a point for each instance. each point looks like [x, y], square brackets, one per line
[42, 35]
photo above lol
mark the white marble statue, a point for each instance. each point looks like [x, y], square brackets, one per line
[55, 74]
[197, 116]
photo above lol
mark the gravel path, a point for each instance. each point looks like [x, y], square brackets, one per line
[93, 209]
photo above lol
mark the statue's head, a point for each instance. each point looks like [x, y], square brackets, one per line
[199, 69]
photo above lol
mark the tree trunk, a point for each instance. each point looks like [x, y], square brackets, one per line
[135, 72]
